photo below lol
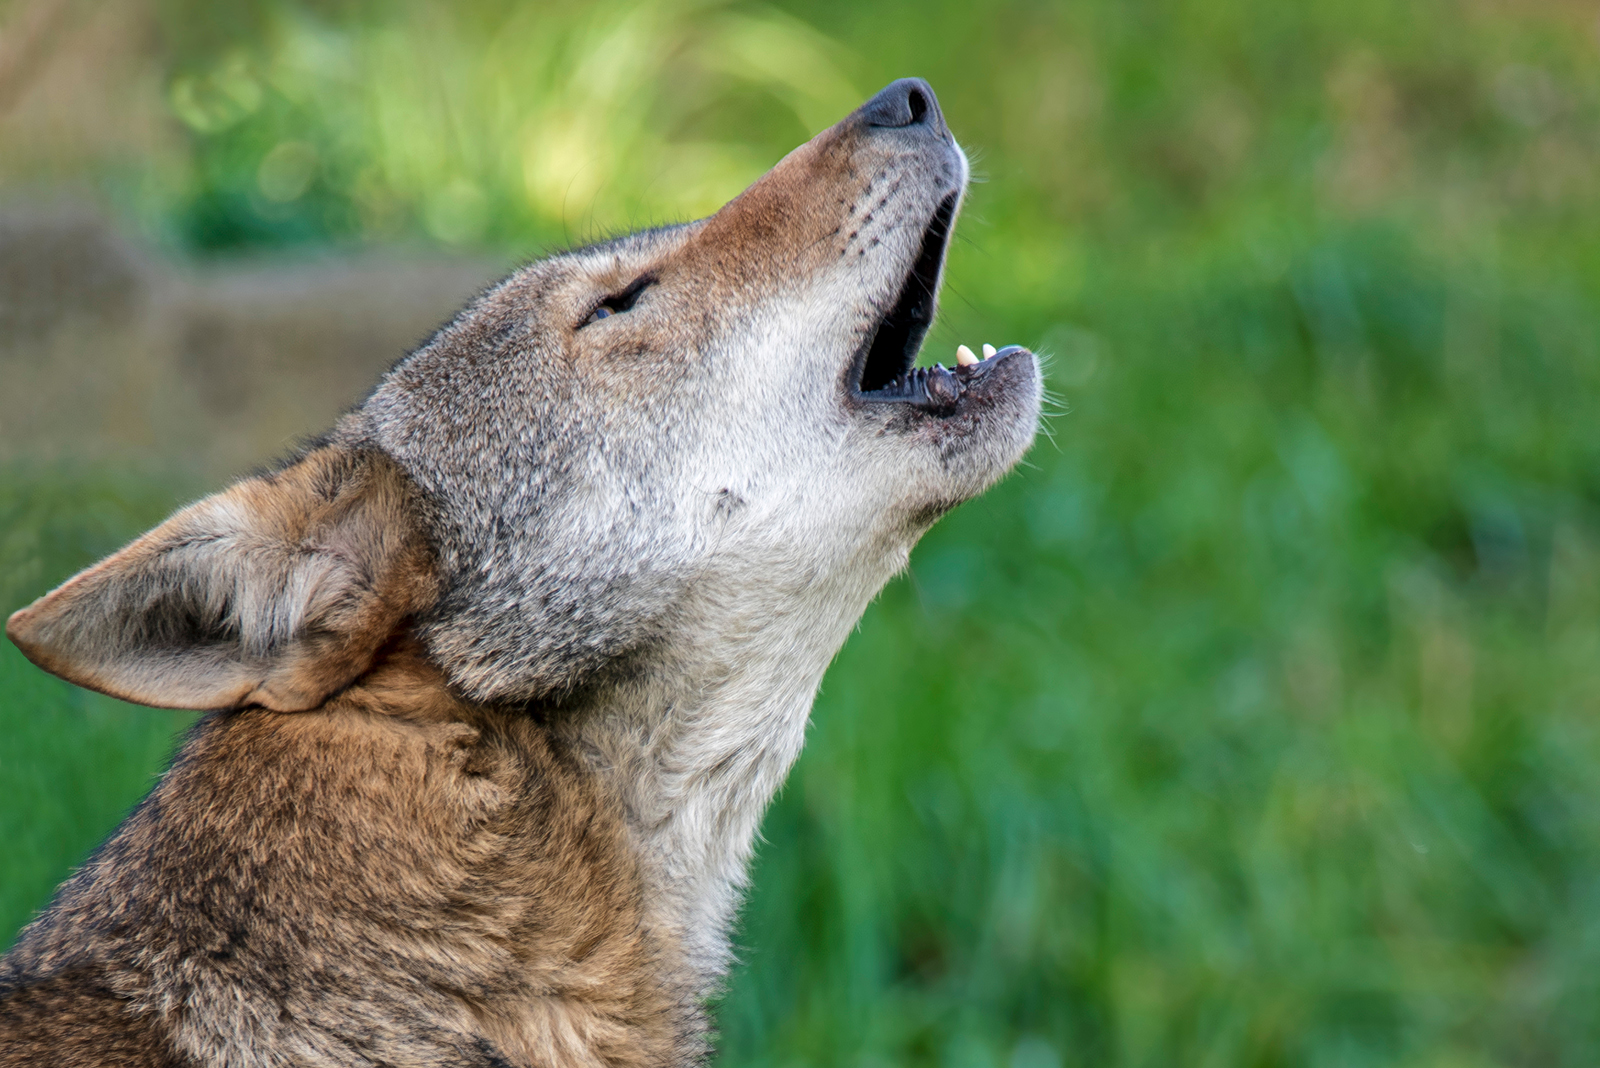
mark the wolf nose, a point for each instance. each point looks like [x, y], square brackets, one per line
[907, 102]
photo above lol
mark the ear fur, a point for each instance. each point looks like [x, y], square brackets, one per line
[276, 592]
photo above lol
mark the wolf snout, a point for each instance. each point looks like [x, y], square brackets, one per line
[902, 103]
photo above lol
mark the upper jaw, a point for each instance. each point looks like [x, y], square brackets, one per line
[894, 336]
[882, 369]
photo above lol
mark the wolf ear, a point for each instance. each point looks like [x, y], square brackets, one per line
[277, 592]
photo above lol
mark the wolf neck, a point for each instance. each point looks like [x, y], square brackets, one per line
[698, 749]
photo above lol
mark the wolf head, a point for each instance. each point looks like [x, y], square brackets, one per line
[708, 430]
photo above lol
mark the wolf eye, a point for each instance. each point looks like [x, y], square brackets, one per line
[619, 303]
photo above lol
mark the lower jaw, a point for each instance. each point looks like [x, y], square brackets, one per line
[937, 389]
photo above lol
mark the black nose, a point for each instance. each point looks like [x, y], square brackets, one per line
[907, 102]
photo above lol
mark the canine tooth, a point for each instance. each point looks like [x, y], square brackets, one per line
[988, 350]
[964, 356]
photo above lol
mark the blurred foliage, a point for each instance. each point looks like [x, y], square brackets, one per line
[490, 122]
[1257, 720]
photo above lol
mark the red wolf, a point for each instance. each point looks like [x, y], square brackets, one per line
[502, 672]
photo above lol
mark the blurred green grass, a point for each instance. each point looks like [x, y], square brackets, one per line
[71, 762]
[1254, 720]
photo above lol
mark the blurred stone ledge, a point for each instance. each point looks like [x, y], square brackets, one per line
[113, 353]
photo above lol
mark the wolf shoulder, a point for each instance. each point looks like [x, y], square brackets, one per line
[384, 869]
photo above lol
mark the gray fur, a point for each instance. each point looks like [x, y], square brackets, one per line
[678, 511]
[638, 540]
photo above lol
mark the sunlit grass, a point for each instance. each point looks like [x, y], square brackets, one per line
[544, 123]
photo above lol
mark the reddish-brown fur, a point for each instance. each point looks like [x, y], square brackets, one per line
[396, 854]
[395, 844]
[504, 674]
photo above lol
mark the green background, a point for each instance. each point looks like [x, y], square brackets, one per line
[1256, 719]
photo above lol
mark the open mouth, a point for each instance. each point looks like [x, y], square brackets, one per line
[885, 373]
[885, 364]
